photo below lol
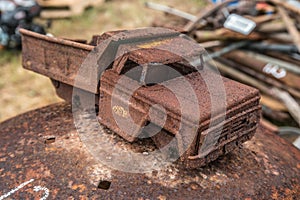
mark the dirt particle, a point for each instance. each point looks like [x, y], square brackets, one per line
[161, 197]
[194, 186]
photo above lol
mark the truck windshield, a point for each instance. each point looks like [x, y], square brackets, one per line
[153, 73]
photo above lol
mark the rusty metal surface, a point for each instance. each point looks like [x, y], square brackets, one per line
[56, 58]
[42, 148]
[242, 113]
[61, 59]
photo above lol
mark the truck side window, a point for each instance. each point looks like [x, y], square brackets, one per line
[153, 73]
[132, 70]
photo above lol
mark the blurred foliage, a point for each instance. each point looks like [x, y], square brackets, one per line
[11, 56]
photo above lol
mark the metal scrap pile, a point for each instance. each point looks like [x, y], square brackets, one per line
[16, 14]
[254, 42]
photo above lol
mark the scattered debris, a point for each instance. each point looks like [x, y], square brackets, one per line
[257, 43]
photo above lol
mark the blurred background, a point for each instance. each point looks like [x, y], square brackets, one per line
[22, 90]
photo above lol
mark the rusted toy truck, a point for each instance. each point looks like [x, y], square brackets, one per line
[139, 60]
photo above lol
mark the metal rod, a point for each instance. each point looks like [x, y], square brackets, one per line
[271, 70]
[289, 102]
[226, 50]
[205, 13]
[285, 97]
[286, 6]
[286, 65]
[173, 11]
[261, 77]
[262, 46]
[290, 25]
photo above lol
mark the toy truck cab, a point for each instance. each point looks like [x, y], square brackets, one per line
[139, 67]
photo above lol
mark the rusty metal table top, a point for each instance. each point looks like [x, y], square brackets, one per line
[41, 156]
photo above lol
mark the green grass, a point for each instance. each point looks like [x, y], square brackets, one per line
[21, 90]
[11, 56]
